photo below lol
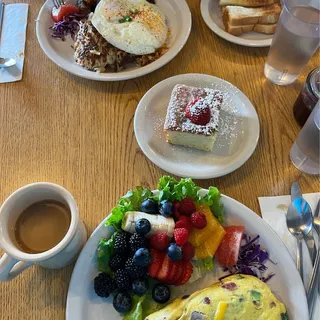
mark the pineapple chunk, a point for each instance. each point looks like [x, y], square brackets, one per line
[197, 237]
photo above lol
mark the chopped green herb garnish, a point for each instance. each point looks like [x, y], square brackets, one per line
[133, 10]
[127, 19]
[284, 316]
[122, 20]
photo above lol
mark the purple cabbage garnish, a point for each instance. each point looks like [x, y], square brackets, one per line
[251, 260]
[69, 25]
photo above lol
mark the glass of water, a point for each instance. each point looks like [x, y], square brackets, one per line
[295, 41]
[305, 153]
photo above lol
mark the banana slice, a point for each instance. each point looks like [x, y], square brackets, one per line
[158, 222]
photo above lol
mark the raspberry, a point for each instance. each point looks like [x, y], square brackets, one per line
[181, 236]
[187, 207]
[198, 111]
[187, 251]
[198, 220]
[184, 222]
[159, 241]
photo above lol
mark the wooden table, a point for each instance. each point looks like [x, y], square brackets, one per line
[78, 133]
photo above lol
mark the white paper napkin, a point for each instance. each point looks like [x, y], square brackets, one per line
[273, 210]
[12, 40]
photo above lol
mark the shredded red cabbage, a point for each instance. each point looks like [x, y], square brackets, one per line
[69, 25]
[251, 260]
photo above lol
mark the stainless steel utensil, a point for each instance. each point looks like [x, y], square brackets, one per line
[315, 276]
[7, 62]
[309, 238]
[1, 16]
[299, 223]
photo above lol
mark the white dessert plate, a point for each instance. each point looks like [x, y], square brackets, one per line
[61, 53]
[84, 304]
[211, 14]
[236, 140]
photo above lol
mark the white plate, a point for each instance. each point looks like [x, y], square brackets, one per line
[178, 18]
[83, 304]
[237, 138]
[211, 14]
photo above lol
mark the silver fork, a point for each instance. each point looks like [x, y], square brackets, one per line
[58, 3]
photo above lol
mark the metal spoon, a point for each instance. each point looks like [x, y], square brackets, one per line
[7, 62]
[299, 223]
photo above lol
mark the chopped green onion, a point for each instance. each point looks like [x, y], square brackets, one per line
[122, 20]
[127, 19]
[133, 10]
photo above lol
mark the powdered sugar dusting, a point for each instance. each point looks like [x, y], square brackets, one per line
[181, 95]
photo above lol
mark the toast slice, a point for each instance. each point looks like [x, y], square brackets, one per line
[247, 3]
[238, 30]
[238, 16]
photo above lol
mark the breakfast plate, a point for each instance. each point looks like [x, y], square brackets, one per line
[211, 14]
[178, 19]
[238, 132]
[286, 284]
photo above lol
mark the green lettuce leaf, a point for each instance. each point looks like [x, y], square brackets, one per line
[142, 307]
[166, 188]
[104, 252]
[137, 309]
[212, 199]
[131, 201]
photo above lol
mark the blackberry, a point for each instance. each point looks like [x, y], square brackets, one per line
[104, 285]
[122, 279]
[136, 242]
[134, 271]
[117, 262]
[120, 244]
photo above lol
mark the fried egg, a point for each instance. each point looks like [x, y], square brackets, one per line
[144, 31]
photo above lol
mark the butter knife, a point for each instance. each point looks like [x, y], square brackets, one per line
[309, 239]
[1, 16]
[314, 280]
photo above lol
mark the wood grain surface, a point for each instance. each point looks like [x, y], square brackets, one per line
[78, 133]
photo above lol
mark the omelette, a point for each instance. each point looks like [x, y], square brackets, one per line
[134, 26]
[238, 297]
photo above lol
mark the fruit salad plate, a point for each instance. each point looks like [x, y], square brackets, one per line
[178, 20]
[83, 303]
[212, 16]
[237, 137]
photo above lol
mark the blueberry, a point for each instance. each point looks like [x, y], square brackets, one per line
[149, 206]
[165, 208]
[140, 286]
[174, 252]
[122, 302]
[142, 257]
[143, 226]
[161, 293]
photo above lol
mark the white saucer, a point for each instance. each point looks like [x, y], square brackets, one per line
[236, 141]
[211, 14]
[60, 52]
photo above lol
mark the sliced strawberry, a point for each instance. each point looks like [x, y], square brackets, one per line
[157, 258]
[179, 271]
[172, 272]
[186, 274]
[165, 269]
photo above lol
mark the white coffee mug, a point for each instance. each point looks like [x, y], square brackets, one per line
[14, 261]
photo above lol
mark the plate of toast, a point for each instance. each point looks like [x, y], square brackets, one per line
[249, 23]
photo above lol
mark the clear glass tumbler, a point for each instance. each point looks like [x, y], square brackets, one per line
[305, 153]
[295, 41]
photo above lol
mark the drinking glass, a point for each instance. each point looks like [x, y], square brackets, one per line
[295, 41]
[305, 153]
